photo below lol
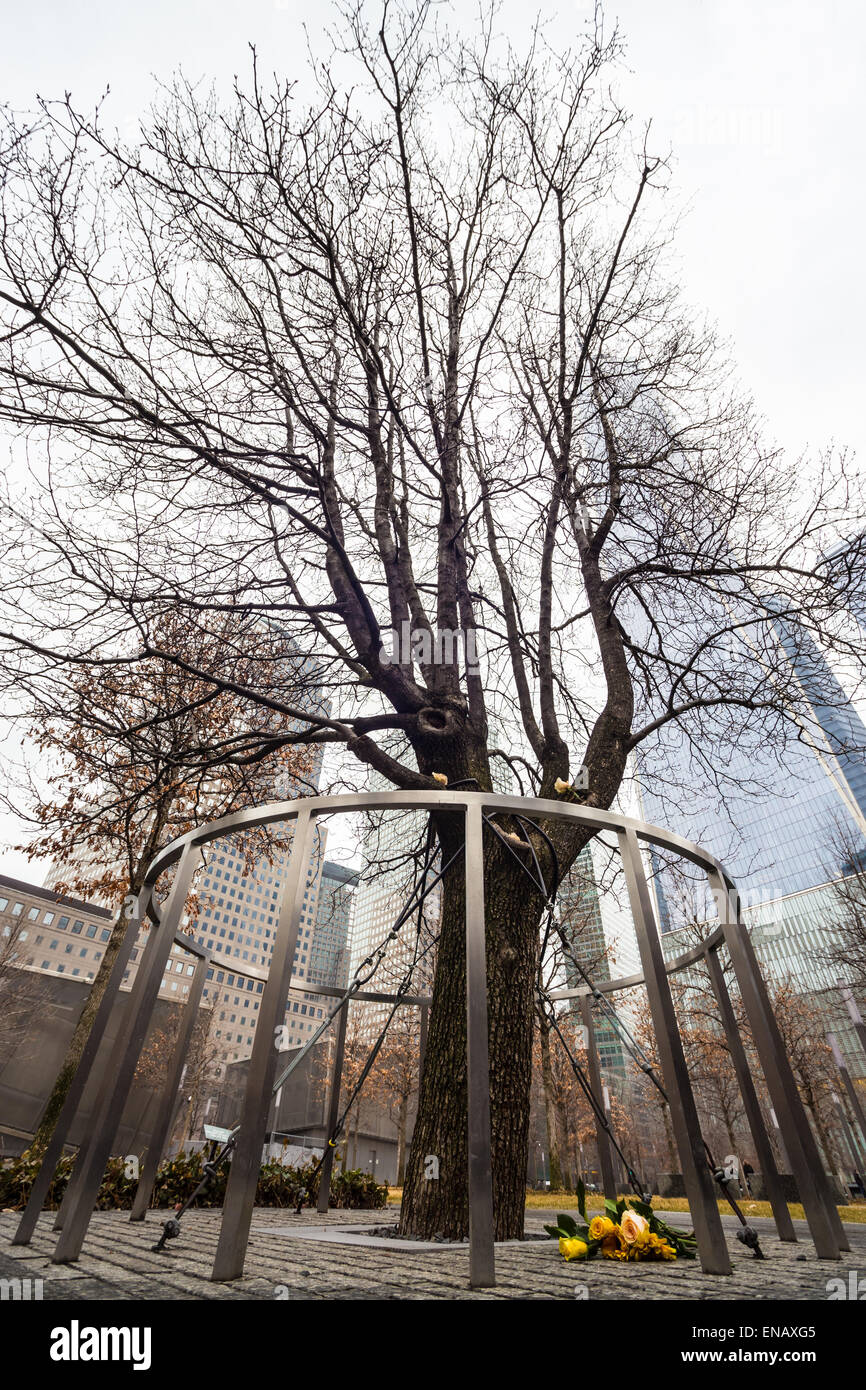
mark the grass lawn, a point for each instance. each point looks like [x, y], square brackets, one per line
[565, 1201]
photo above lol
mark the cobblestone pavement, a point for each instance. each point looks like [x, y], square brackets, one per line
[118, 1263]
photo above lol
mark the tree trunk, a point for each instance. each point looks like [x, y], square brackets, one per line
[673, 1156]
[554, 1164]
[54, 1104]
[824, 1139]
[355, 1127]
[569, 1159]
[513, 910]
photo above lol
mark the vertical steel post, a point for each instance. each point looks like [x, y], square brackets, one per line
[333, 1112]
[751, 1105]
[850, 1088]
[821, 1214]
[697, 1178]
[854, 1012]
[90, 1168]
[247, 1158]
[482, 1265]
[853, 1149]
[605, 1157]
[168, 1099]
[69, 1109]
[70, 1198]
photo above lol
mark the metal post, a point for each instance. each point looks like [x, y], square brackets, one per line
[751, 1105]
[854, 1012]
[482, 1265]
[168, 1099]
[605, 1156]
[821, 1214]
[69, 1109]
[70, 1197]
[247, 1158]
[697, 1178]
[850, 1088]
[333, 1111]
[90, 1168]
[854, 1151]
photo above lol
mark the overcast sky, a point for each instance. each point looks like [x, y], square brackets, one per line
[763, 103]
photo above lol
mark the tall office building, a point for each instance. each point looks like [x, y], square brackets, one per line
[846, 569]
[329, 947]
[783, 846]
[602, 941]
[782, 840]
[393, 845]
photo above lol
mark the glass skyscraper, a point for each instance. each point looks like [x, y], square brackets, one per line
[784, 838]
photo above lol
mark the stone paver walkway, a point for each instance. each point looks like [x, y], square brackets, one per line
[117, 1263]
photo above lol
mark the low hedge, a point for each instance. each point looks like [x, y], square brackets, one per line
[280, 1185]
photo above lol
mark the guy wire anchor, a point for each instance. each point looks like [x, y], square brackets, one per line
[171, 1227]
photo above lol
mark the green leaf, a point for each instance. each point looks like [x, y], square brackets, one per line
[642, 1208]
[566, 1223]
[581, 1198]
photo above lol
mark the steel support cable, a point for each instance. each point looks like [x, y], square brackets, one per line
[748, 1235]
[375, 959]
[402, 990]
[422, 888]
[598, 1110]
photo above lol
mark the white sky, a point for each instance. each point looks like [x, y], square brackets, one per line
[764, 104]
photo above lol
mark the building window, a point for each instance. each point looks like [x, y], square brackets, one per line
[33, 914]
[63, 924]
[78, 927]
[17, 909]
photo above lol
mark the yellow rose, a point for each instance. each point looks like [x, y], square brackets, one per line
[440, 778]
[561, 786]
[600, 1226]
[613, 1244]
[632, 1226]
[573, 1249]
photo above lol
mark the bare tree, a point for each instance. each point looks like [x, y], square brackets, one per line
[405, 368]
[23, 993]
[137, 755]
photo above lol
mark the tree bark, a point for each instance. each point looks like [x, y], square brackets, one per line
[65, 1076]
[54, 1104]
[513, 912]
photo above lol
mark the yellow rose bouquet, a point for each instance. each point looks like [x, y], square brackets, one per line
[628, 1230]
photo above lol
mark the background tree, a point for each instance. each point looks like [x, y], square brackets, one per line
[802, 1027]
[396, 1079]
[138, 754]
[406, 358]
[843, 947]
[23, 993]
